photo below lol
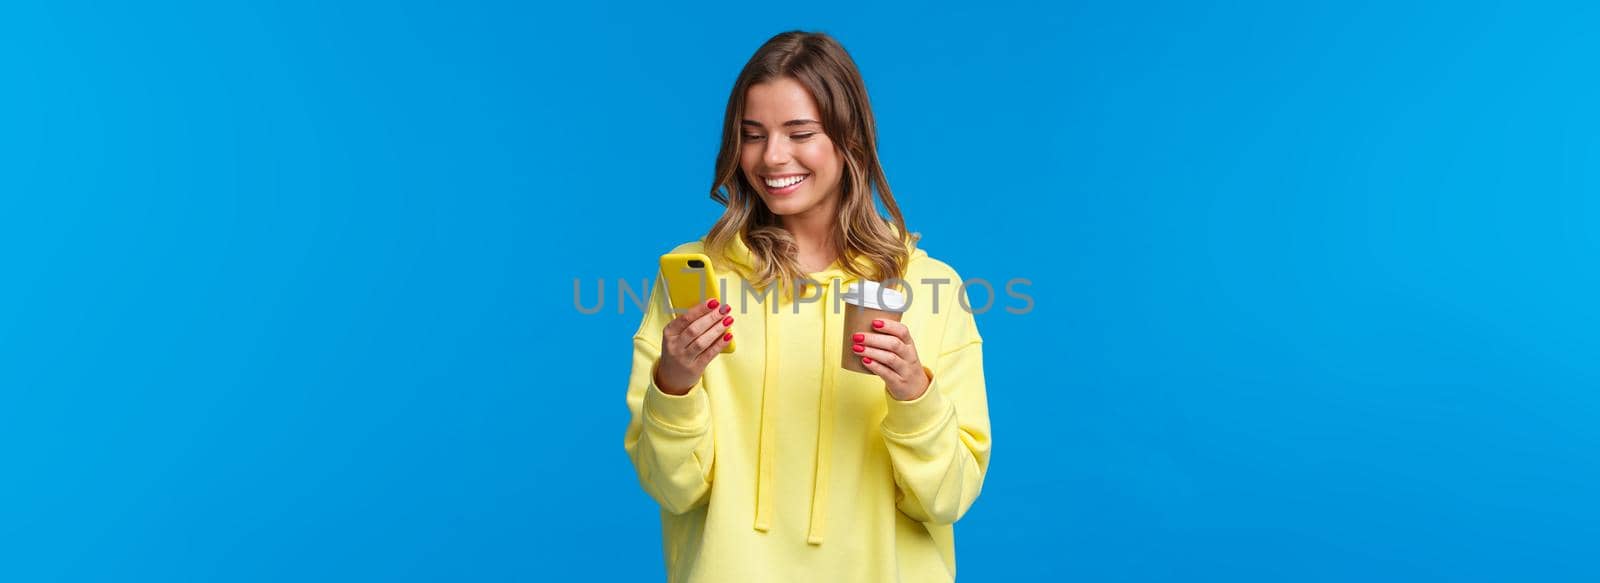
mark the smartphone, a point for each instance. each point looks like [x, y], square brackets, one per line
[690, 280]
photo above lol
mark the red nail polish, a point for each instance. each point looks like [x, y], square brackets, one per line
[859, 348]
[713, 303]
[728, 321]
[877, 323]
[726, 308]
[727, 337]
[859, 337]
[866, 360]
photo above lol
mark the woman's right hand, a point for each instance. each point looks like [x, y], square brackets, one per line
[688, 344]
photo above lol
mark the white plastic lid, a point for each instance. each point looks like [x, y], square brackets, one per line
[876, 297]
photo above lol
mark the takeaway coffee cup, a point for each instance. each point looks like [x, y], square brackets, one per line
[864, 302]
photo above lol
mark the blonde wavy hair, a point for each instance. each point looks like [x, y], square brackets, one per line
[868, 245]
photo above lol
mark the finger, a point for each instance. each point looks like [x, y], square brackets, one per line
[677, 324]
[879, 355]
[906, 352]
[893, 328]
[884, 371]
[691, 324]
[883, 341]
[706, 322]
[712, 351]
[710, 336]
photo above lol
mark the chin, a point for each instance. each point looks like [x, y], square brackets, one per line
[784, 207]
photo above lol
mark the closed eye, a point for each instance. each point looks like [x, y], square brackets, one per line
[800, 136]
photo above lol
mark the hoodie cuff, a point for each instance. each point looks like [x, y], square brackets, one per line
[687, 414]
[909, 418]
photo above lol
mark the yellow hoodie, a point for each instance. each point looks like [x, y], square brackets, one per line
[781, 466]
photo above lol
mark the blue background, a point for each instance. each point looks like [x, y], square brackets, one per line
[288, 286]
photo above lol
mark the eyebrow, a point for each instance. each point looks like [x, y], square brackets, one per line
[792, 122]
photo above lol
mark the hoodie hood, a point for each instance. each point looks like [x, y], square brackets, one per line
[832, 281]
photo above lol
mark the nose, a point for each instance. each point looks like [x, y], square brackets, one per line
[776, 154]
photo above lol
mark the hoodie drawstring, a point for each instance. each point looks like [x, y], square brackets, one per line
[769, 380]
[832, 347]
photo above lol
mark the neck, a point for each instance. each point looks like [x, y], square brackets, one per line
[813, 234]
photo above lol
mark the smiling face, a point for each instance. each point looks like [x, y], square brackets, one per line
[784, 152]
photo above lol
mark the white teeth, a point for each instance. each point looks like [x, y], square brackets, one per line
[783, 182]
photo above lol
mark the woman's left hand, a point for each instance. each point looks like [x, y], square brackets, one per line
[887, 351]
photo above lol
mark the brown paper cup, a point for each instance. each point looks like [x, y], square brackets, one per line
[858, 320]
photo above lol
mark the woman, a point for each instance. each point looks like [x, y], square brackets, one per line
[772, 463]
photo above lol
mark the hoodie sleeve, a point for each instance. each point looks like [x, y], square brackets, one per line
[939, 442]
[669, 437]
